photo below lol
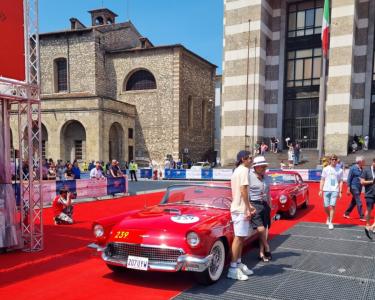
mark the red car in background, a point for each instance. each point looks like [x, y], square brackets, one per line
[289, 191]
[190, 230]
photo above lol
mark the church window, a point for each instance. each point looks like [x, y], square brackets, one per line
[61, 75]
[141, 80]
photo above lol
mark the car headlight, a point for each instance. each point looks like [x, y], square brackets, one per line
[283, 199]
[192, 239]
[98, 230]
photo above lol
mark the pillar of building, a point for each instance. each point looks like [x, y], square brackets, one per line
[341, 76]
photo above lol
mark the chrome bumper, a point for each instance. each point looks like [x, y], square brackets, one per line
[183, 263]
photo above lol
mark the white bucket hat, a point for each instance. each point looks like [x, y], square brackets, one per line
[259, 161]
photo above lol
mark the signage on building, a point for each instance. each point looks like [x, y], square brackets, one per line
[12, 50]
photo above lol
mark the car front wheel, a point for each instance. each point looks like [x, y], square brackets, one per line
[292, 211]
[306, 203]
[215, 269]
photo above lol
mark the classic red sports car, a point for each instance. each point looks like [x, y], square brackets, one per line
[190, 230]
[289, 190]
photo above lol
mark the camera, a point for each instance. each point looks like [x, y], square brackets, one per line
[73, 195]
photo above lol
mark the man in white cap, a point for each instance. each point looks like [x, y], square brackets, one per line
[259, 196]
[241, 212]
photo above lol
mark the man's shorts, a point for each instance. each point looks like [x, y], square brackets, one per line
[262, 216]
[370, 202]
[241, 225]
[330, 198]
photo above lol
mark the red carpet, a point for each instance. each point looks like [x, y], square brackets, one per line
[66, 269]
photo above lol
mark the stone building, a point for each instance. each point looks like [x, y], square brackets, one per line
[107, 92]
[279, 78]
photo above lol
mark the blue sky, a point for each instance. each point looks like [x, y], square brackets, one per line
[197, 24]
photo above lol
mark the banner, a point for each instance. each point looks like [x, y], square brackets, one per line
[193, 174]
[91, 188]
[12, 50]
[146, 173]
[222, 174]
[207, 174]
[116, 185]
[69, 185]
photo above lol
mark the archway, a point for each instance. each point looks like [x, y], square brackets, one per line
[73, 141]
[115, 142]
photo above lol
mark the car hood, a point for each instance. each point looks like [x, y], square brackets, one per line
[165, 222]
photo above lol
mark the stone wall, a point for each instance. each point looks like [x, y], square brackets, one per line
[197, 81]
[153, 130]
[79, 50]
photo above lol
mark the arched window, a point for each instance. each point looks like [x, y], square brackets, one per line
[61, 75]
[141, 80]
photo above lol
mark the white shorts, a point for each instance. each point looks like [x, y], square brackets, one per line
[241, 225]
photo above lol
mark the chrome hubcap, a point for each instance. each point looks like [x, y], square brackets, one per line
[292, 209]
[216, 260]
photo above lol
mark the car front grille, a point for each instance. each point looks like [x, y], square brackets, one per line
[121, 251]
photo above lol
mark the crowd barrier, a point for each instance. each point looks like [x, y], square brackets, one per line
[85, 188]
[225, 174]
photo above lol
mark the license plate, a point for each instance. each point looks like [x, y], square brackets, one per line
[138, 263]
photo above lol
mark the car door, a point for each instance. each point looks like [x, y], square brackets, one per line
[302, 189]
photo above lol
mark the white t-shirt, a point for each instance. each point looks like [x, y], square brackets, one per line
[240, 177]
[96, 173]
[332, 177]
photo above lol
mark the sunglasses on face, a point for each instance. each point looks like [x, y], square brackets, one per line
[334, 159]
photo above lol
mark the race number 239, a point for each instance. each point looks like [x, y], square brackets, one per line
[121, 234]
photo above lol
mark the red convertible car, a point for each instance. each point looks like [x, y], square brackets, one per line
[190, 230]
[289, 191]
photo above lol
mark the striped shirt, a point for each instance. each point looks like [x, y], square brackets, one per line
[259, 190]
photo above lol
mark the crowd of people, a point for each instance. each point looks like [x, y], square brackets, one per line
[61, 170]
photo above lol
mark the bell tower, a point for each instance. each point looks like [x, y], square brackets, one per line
[102, 16]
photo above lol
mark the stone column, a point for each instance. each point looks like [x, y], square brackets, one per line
[339, 88]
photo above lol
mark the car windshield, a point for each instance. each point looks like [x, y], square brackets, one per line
[279, 178]
[198, 195]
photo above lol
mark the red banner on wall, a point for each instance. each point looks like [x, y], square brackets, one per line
[12, 45]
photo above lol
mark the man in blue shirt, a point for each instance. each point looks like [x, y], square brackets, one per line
[355, 188]
[368, 180]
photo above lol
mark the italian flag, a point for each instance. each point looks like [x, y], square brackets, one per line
[325, 28]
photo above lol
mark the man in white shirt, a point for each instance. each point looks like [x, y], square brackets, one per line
[331, 188]
[97, 171]
[241, 211]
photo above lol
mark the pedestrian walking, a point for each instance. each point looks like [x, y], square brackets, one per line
[331, 188]
[355, 188]
[368, 180]
[241, 212]
[259, 195]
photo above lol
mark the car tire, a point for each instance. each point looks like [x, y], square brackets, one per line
[216, 268]
[292, 211]
[116, 269]
[306, 203]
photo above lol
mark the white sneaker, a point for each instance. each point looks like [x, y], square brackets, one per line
[330, 226]
[236, 273]
[245, 269]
